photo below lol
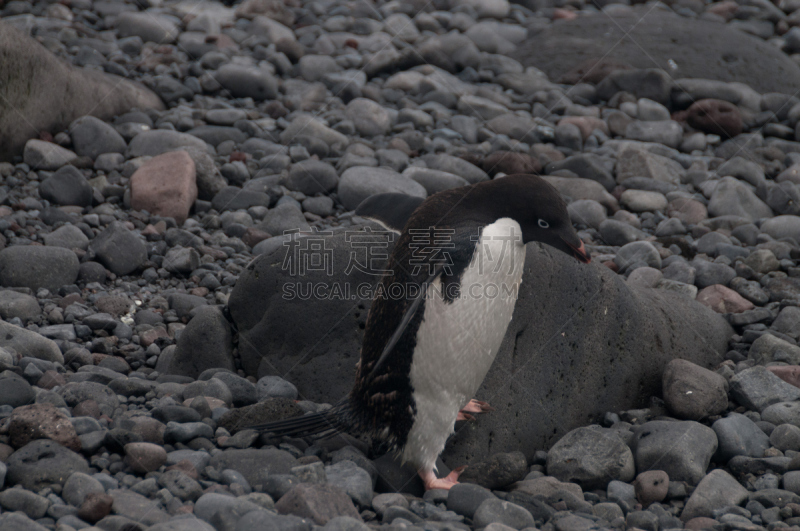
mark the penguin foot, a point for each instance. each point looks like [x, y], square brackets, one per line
[473, 406]
[432, 482]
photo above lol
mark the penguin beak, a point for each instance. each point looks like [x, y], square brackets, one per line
[579, 251]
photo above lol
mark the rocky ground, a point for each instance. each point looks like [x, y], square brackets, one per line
[123, 389]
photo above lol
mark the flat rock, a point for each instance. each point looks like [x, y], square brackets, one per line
[29, 343]
[757, 388]
[681, 449]
[36, 266]
[698, 49]
[590, 457]
[158, 141]
[41, 463]
[361, 182]
[317, 502]
[717, 490]
[738, 435]
[136, 507]
[42, 421]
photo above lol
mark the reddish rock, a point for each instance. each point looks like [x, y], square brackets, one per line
[144, 457]
[510, 162]
[51, 379]
[586, 124]
[789, 374]
[651, 486]
[87, 408]
[148, 337]
[319, 502]
[165, 185]
[252, 236]
[717, 117]
[5, 452]
[186, 467]
[725, 9]
[722, 299]
[689, 211]
[95, 507]
[41, 421]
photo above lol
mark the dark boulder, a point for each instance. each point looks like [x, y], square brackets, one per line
[582, 342]
[697, 49]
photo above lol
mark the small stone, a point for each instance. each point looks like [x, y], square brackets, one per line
[643, 201]
[494, 510]
[92, 137]
[67, 186]
[722, 299]
[651, 486]
[247, 82]
[369, 117]
[352, 479]
[731, 197]
[317, 502]
[757, 388]
[692, 392]
[716, 490]
[144, 457]
[715, 117]
[95, 507]
[664, 132]
[68, 237]
[681, 449]
[738, 435]
[78, 486]
[785, 437]
[312, 176]
[118, 249]
[147, 26]
[165, 186]
[591, 457]
[41, 155]
[33, 505]
[361, 182]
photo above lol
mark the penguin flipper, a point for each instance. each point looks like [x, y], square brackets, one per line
[407, 316]
[314, 424]
[392, 210]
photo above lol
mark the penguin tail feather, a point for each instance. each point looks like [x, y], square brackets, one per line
[319, 424]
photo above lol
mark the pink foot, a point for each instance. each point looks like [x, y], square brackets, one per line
[432, 482]
[473, 406]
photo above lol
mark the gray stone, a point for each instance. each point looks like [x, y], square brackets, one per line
[369, 117]
[616, 232]
[450, 164]
[92, 137]
[765, 348]
[717, 490]
[67, 186]
[148, 26]
[33, 505]
[361, 182]
[28, 343]
[692, 392]
[352, 479]
[284, 218]
[158, 141]
[666, 132]
[782, 227]
[253, 463]
[731, 197]
[118, 249]
[247, 82]
[41, 463]
[590, 457]
[494, 510]
[68, 237]
[316, 502]
[137, 507]
[275, 387]
[19, 522]
[15, 304]
[711, 273]
[681, 449]
[588, 166]
[785, 437]
[41, 155]
[782, 413]
[78, 485]
[243, 392]
[263, 521]
[738, 435]
[587, 212]
[212, 503]
[35, 267]
[433, 180]
[636, 254]
[15, 391]
[182, 523]
[312, 176]
[756, 388]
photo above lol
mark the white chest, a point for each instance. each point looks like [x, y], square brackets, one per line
[458, 341]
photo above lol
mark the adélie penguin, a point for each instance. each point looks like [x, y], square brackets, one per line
[440, 313]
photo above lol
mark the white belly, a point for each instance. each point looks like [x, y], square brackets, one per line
[457, 342]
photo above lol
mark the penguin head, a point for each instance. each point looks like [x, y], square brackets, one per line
[541, 213]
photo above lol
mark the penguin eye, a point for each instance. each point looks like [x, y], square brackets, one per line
[543, 224]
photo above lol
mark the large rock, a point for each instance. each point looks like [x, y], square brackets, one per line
[578, 331]
[41, 463]
[28, 343]
[649, 38]
[717, 490]
[36, 266]
[119, 249]
[48, 94]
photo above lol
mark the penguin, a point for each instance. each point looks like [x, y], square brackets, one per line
[428, 344]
